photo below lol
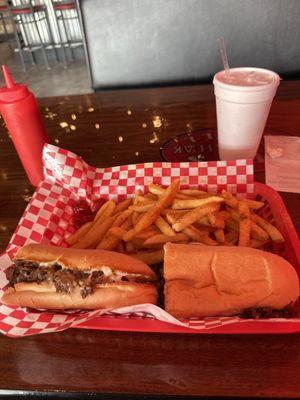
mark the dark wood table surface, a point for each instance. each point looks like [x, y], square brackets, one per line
[121, 127]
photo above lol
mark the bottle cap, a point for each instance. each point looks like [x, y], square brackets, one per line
[12, 91]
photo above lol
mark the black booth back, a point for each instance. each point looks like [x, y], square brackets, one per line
[132, 43]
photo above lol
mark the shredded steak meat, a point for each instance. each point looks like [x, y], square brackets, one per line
[63, 279]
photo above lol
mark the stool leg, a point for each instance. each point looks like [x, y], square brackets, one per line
[4, 28]
[28, 42]
[19, 45]
[41, 42]
[50, 35]
[67, 36]
[57, 17]
[2, 19]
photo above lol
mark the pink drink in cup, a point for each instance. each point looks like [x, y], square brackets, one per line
[244, 97]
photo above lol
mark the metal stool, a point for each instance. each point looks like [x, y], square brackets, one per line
[4, 15]
[31, 29]
[69, 31]
[4, 18]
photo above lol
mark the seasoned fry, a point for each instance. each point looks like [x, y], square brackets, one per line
[258, 233]
[245, 224]
[129, 235]
[110, 240]
[140, 200]
[122, 206]
[172, 217]
[233, 214]
[144, 207]
[273, 232]
[135, 217]
[138, 192]
[192, 217]
[219, 235]
[206, 239]
[160, 238]
[149, 220]
[95, 234]
[107, 211]
[193, 192]
[211, 219]
[74, 237]
[164, 202]
[148, 233]
[101, 210]
[231, 237]
[233, 201]
[199, 236]
[130, 248]
[122, 217]
[194, 203]
[257, 244]
[224, 214]
[203, 228]
[182, 196]
[192, 232]
[164, 227]
[230, 200]
[117, 231]
[205, 221]
[254, 204]
[174, 212]
[159, 191]
[156, 189]
[232, 225]
[150, 258]
[151, 196]
[220, 221]
[215, 220]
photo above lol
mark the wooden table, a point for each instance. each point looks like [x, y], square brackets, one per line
[113, 128]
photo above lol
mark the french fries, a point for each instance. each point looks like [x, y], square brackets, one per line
[150, 258]
[164, 202]
[257, 244]
[72, 239]
[244, 224]
[164, 227]
[160, 238]
[219, 235]
[122, 206]
[105, 211]
[110, 240]
[193, 192]
[258, 233]
[140, 226]
[231, 238]
[143, 207]
[273, 232]
[95, 234]
[192, 216]
[194, 203]
[192, 232]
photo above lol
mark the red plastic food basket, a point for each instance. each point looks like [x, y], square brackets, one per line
[275, 212]
[48, 218]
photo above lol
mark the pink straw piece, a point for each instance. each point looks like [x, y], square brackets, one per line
[224, 55]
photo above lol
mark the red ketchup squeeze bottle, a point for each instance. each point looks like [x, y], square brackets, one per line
[21, 114]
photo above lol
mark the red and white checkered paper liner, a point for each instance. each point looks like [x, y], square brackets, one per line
[48, 219]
